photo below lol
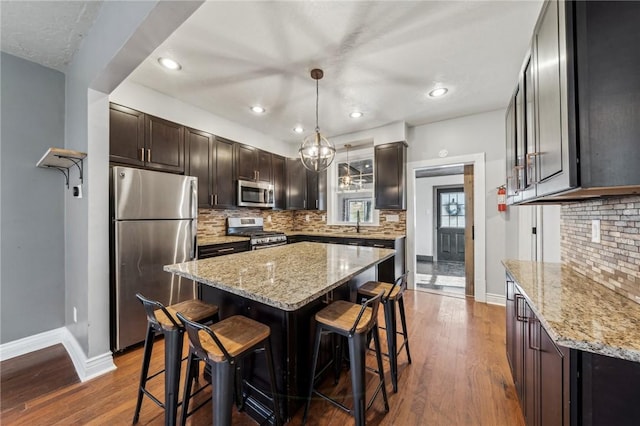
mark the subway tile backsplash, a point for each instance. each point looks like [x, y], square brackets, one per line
[615, 261]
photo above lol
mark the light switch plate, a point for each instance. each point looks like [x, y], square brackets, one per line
[595, 231]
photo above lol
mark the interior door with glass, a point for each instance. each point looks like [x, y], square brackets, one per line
[451, 224]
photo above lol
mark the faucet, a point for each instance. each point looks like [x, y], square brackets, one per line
[358, 221]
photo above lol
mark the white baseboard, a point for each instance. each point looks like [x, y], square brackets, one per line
[495, 299]
[86, 368]
[32, 343]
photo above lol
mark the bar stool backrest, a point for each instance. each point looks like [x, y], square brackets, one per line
[193, 331]
[150, 306]
[400, 283]
[374, 304]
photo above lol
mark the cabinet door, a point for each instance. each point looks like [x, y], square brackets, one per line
[529, 134]
[530, 385]
[510, 130]
[279, 182]
[552, 161]
[264, 167]
[551, 389]
[296, 184]
[511, 324]
[164, 142]
[126, 135]
[246, 162]
[518, 351]
[322, 190]
[224, 186]
[200, 163]
[389, 173]
[312, 190]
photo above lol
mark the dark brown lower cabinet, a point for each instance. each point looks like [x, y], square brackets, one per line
[561, 386]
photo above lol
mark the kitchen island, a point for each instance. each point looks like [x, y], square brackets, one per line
[284, 287]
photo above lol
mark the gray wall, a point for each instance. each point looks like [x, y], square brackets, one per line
[32, 280]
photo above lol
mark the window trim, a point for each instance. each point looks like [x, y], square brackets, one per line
[359, 153]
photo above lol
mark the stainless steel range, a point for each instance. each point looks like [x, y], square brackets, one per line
[252, 227]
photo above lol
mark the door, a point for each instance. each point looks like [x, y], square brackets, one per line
[142, 248]
[126, 135]
[164, 145]
[296, 184]
[199, 163]
[279, 183]
[246, 162]
[451, 224]
[224, 187]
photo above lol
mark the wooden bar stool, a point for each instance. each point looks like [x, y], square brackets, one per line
[392, 293]
[221, 346]
[163, 320]
[355, 322]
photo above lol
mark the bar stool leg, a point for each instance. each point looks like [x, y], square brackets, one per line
[357, 348]
[272, 377]
[172, 357]
[146, 360]
[192, 370]
[314, 363]
[223, 401]
[376, 342]
[390, 324]
[403, 318]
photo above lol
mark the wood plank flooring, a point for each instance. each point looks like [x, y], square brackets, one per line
[459, 376]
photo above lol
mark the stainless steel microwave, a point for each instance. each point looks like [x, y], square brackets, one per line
[255, 194]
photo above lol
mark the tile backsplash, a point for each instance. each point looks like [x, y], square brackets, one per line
[212, 222]
[615, 261]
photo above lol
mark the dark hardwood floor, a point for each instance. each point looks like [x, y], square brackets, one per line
[459, 376]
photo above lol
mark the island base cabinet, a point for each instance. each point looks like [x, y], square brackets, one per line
[292, 336]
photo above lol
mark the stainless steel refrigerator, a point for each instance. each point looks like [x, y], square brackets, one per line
[154, 220]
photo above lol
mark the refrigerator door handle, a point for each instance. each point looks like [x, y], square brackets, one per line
[194, 220]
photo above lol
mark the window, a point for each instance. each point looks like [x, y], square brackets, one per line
[351, 188]
[451, 209]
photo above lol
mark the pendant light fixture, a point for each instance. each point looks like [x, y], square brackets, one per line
[316, 152]
[346, 181]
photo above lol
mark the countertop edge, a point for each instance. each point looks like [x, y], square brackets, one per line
[270, 302]
[599, 348]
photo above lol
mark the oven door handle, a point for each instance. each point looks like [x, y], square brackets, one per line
[268, 246]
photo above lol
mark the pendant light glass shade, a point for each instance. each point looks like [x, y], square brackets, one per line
[316, 152]
[346, 181]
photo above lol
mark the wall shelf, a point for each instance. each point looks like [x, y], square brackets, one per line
[62, 160]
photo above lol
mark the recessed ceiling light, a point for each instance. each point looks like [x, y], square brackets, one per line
[258, 109]
[298, 129]
[355, 114]
[436, 93]
[169, 64]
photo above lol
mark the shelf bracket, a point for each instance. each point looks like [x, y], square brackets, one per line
[65, 172]
[78, 162]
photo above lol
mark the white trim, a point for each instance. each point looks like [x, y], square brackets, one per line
[31, 343]
[86, 368]
[496, 299]
[478, 161]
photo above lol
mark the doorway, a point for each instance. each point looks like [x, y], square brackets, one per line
[444, 217]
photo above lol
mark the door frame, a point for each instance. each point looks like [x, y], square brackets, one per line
[479, 190]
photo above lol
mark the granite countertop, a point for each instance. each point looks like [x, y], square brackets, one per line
[221, 239]
[578, 312]
[364, 235]
[286, 277]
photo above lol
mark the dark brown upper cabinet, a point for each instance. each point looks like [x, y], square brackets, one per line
[126, 136]
[223, 186]
[390, 169]
[155, 144]
[199, 163]
[296, 184]
[210, 159]
[581, 96]
[278, 166]
[253, 164]
[316, 190]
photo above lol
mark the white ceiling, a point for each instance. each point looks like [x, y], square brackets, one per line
[45, 32]
[378, 57]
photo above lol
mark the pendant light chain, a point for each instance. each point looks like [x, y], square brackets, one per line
[317, 100]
